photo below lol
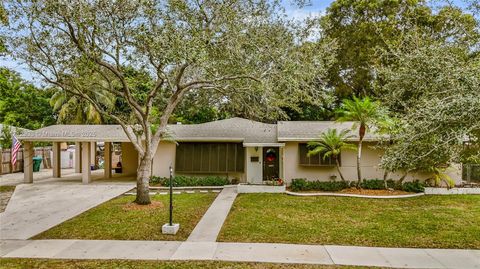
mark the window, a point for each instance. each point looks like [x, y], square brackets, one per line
[210, 157]
[314, 160]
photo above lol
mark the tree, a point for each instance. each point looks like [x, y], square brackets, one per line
[234, 50]
[22, 104]
[331, 145]
[365, 27]
[366, 113]
[388, 127]
[3, 22]
[75, 110]
[6, 137]
[434, 89]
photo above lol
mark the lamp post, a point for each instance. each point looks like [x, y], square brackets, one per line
[170, 227]
[171, 198]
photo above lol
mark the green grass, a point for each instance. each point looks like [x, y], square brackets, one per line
[94, 264]
[111, 220]
[423, 222]
[7, 188]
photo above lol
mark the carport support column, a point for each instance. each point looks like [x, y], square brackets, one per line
[56, 164]
[108, 160]
[86, 174]
[93, 152]
[78, 157]
[28, 162]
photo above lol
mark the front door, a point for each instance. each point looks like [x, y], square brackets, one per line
[271, 156]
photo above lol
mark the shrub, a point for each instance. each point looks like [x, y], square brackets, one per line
[301, 184]
[414, 186]
[189, 181]
[372, 184]
[378, 184]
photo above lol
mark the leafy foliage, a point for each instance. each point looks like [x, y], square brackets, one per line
[188, 181]
[435, 90]
[331, 144]
[22, 104]
[414, 186]
[366, 113]
[301, 184]
[365, 27]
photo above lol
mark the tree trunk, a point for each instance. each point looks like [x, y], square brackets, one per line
[359, 156]
[143, 179]
[400, 181]
[385, 176]
[338, 169]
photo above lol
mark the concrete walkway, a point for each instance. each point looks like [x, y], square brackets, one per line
[17, 178]
[241, 252]
[34, 208]
[211, 223]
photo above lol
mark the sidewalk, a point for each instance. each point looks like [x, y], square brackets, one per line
[211, 223]
[241, 252]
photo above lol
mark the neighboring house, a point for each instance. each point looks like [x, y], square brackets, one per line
[247, 150]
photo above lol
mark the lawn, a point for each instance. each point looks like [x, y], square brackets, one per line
[94, 264]
[420, 222]
[120, 219]
[7, 188]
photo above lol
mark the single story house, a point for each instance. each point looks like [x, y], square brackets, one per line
[241, 149]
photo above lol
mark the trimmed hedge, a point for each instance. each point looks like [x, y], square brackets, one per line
[414, 186]
[189, 181]
[378, 184]
[302, 184]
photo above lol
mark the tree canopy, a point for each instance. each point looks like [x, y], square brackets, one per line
[365, 27]
[22, 104]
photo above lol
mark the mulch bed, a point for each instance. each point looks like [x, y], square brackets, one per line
[153, 205]
[374, 192]
[360, 192]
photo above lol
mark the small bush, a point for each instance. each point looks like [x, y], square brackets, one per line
[378, 184]
[301, 184]
[414, 186]
[372, 184]
[189, 181]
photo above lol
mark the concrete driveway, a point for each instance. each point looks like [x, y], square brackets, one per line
[34, 208]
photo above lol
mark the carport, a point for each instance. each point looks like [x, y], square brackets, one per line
[85, 138]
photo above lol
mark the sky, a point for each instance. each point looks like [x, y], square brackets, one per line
[314, 8]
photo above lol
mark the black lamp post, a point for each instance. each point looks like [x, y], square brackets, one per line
[171, 198]
[170, 227]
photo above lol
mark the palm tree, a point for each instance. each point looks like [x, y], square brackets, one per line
[365, 113]
[331, 144]
[72, 109]
[439, 175]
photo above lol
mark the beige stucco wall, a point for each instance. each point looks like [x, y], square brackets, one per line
[163, 158]
[129, 159]
[369, 165]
